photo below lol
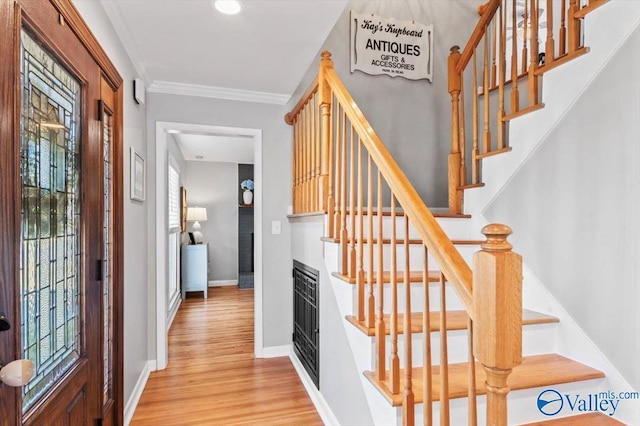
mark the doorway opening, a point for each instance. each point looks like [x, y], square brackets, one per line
[164, 130]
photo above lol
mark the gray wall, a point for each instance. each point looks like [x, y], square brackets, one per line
[574, 209]
[413, 118]
[136, 257]
[214, 185]
[276, 193]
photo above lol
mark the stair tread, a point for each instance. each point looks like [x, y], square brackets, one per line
[591, 419]
[412, 241]
[523, 111]
[492, 153]
[535, 371]
[414, 277]
[549, 65]
[456, 320]
[470, 186]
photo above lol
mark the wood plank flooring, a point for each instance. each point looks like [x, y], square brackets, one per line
[213, 378]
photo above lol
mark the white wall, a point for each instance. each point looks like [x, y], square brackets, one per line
[340, 381]
[413, 118]
[574, 209]
[136, 257]
[214, 185]
[276, 194]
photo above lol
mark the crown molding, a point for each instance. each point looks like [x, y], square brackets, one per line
[126, 38]
[172, 88]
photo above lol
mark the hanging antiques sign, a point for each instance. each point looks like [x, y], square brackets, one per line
[392, 47]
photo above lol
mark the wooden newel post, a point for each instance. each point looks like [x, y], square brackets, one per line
[324, 91]
[497, 316]
[455, 86]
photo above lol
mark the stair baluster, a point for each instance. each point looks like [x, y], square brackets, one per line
[360, 246]
[408, 401]
[515, 94]
[473, 406]
[371, 301]
[427, 375]
[444, 355]
[475, 170]
[562, 48]
[352, 203]
[502, 78]
[525, 37]
[535, 59]
[337, 215]
[381, 364]
[344, 236]
[394, 363]
[550, 45]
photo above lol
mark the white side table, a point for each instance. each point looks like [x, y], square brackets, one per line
[194, 268]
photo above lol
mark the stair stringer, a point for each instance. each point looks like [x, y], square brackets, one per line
[606, 30]
[362, 346]
[570, 341]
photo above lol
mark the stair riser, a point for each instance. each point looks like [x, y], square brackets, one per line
[454, 228]
[521, 403]
[534, 341]
[416, 256]
[417, 297]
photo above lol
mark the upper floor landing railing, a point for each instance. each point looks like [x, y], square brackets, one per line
[513, 44]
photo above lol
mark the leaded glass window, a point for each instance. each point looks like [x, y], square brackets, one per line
[107, 280]
[50, 271]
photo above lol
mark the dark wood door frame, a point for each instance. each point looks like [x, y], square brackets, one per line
[11, 20]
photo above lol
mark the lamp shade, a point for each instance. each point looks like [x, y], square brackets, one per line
[196, 214]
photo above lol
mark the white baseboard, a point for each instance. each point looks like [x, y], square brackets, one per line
[327, 416]
[132, 403]
[275, 351]
[172, 313]
[222, 283]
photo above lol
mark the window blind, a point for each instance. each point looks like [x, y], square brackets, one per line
[173, 197]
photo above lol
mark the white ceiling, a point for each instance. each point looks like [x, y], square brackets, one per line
[187, 47]
[266, 48]
[224, 149]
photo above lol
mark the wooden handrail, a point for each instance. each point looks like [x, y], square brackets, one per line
[476, 36]
[440, 246]
[313, 88]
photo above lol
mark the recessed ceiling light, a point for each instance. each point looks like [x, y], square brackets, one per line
[228, 7]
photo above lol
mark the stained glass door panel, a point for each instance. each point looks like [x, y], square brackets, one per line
[50, 264]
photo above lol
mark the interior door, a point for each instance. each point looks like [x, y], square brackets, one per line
[54, 220]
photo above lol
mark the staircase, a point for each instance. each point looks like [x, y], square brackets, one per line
[435, 304]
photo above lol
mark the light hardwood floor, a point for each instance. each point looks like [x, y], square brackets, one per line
[212, 377]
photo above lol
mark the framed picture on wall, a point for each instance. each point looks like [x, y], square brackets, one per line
[183, 209]
[138, 187]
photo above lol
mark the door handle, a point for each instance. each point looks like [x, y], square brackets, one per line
[4, 323]
[16, 373]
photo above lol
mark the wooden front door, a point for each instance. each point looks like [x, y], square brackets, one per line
[60, 216]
